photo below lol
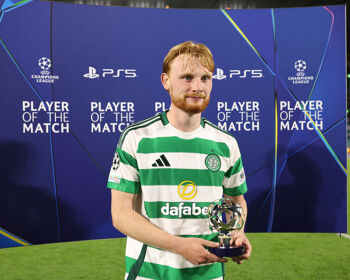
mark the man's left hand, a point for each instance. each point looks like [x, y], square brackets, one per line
[240, 239]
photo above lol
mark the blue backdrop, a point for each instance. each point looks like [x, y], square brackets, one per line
[72, 77]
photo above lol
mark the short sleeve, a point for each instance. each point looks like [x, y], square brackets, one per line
[234, 182]
[124, 173]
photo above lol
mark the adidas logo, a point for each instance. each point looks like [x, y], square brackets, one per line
[162, 161]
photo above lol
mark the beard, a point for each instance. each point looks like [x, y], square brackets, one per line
[193, 108]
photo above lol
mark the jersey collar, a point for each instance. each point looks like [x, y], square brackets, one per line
[165, 120]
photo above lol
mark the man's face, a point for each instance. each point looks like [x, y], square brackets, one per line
[189, 84]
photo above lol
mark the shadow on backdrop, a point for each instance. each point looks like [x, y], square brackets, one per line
[28, 211]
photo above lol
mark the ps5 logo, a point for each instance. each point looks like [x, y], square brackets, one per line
[254, 73]
[92, 73]
[108, 72]
[248, 73]
[219, 74]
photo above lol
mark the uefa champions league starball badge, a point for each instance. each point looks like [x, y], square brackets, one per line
[226, 217]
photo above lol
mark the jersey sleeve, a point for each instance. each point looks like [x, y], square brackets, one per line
[124, 173]
[234, 182]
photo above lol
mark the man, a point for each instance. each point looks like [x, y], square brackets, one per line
[166, 172]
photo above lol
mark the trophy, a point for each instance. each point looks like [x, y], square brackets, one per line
[226, 217]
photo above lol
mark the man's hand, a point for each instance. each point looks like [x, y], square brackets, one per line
[193, 249]
[240, 239]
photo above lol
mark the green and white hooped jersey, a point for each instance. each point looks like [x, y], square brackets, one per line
[178, 174]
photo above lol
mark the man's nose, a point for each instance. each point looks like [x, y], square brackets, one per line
[197, 85]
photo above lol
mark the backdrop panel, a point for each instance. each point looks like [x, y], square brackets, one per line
[72, 77]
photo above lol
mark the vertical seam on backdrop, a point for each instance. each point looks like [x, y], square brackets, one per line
[51, 138]
[274, 183]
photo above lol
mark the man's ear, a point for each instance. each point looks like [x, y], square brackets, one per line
[165, 81]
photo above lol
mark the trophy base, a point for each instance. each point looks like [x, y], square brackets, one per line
[227, 252]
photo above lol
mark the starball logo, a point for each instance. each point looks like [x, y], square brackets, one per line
[300, 77]
[300, 66]
[110, 73]
[45, 76]
[236, 73]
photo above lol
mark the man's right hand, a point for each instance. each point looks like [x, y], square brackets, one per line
[193, 249]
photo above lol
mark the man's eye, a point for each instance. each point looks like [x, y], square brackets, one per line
[205, 78]
[188, 77]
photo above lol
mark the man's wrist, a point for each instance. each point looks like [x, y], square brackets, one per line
[176, 244]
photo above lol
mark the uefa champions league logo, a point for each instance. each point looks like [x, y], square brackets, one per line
[300, 66]
[45, 75]
[300, 78]
[45, 64]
